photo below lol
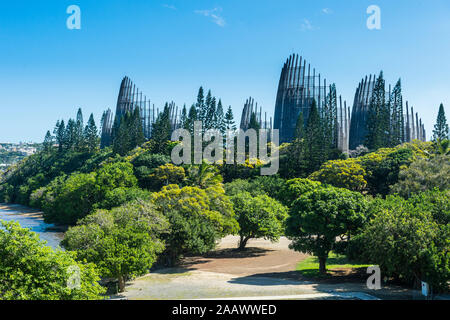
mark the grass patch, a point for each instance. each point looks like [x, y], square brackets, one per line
[310, 266]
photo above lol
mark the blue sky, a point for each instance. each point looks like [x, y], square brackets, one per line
[234, 47]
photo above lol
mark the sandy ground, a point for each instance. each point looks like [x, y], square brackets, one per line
[264, 271]
[261, 256]
[22, 210]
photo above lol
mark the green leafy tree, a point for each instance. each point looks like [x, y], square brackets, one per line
[407, 242]
[167, 174]
[123, 242]
[295, 188]
[68, 199]
[30, 270]
[347, 174]
[423, 175]
[258, 217]
[317, 218]
[203, 176]
[198, 218]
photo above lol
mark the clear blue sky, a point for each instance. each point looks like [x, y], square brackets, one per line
[235, 47]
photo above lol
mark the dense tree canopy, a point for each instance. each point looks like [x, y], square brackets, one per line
[197, 219]
[32, 271]
[123, 242]
[258, 217]
[318, 217]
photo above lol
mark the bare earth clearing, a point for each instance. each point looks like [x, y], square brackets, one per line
[263, 271]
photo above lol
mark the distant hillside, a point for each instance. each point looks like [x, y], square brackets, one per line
[12, 153]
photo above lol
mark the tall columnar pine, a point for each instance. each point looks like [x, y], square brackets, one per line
[378, 118]
[121, 135]
[79, 126]
[59, 132]
[48, 142]
[91, 134]
[298, 148]
[70, 135]
[192, 117]
[200, 105]
[211, 117]
[128, 133]
[220, 118]
[397, 124]
[137, 129]
[328, 114]
[314, 152]
[441, 131]
[184, 117]
[162, 129]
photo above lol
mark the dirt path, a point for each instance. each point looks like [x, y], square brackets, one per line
[264, 270]
[260, 256]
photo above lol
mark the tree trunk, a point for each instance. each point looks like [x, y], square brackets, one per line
[322, 265]
[121, 283]
[243, 242]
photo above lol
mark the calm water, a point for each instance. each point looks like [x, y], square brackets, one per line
[37, 225]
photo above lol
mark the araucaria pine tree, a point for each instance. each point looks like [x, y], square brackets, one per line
[128, 132]
[328, 114]
[161, 131]
[396, 133]
[314, 140]
[91, 135]
[184, 117]
[378, 119]
[200, 105]
[297, 159]
[79, 126]
[48, 142]
[191, 118]
[229, 120]
[59, 132]
[441, 131]
[220, 118]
